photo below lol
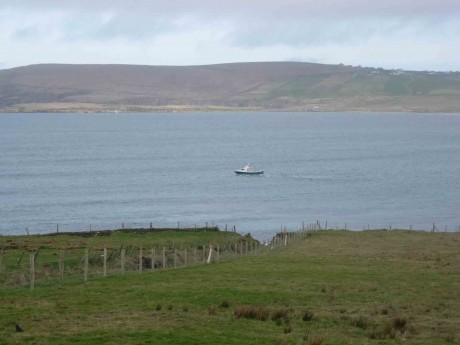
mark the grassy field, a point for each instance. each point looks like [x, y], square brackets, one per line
[182, 247]
[332, 287]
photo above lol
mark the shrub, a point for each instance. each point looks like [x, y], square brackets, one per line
[158, 307]
[170, 307]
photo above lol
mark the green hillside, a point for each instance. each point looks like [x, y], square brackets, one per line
[331, 287]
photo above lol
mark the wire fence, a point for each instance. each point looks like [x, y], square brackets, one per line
[20, 267]
[29, 264]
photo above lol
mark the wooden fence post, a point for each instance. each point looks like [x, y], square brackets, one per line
[164, 257]
[61, 266]
[210, 255]
[140, 259]
[218, 253]
[104, 267]
[32, 271]
[122, 259]
[85, 268]
[153, 259]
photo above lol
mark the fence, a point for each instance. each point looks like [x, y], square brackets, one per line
[55, 266]
[79, 264]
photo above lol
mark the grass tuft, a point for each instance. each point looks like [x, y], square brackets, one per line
[399, 323]
[224, 304]
[307, 315]
[212, 310]
[252, 312]
[280, 314]
[315, 341]
[360, 322]
[287, 329]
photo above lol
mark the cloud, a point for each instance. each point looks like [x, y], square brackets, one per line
[321, 32]
[209, 31]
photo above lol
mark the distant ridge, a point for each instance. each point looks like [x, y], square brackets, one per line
[286, 86]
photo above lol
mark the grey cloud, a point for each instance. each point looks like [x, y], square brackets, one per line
[28, 32]
[316, 32]
[256, 22]
[255, 8]
[90, 27]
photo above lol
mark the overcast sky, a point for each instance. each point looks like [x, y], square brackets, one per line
[407, 34]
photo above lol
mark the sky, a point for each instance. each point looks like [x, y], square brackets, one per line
[392, 34]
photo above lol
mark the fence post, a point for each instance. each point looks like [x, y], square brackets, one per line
[1, 260]
[164, 257]
[153, 259]
[218, 253]
[204, 253]
[32, 271]
[140, 259]
[104, 267]
[61, 266]
[210, 254]
[123, 254]
[85, 269]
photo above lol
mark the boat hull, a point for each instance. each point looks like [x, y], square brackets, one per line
[239, 172]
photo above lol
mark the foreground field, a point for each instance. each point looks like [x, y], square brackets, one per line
[333, 287]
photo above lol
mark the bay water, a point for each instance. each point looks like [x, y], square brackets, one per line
[101, 170]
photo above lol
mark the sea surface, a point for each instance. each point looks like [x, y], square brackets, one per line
[100, 171]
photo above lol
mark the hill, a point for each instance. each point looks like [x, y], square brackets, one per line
[293, 86]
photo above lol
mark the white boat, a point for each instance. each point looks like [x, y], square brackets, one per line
[248, 170]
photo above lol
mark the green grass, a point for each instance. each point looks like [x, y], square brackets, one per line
[17, 249]
[334, 287]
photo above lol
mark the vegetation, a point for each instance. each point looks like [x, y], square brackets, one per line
[181, 247]
[239, 86]
[332, 287]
